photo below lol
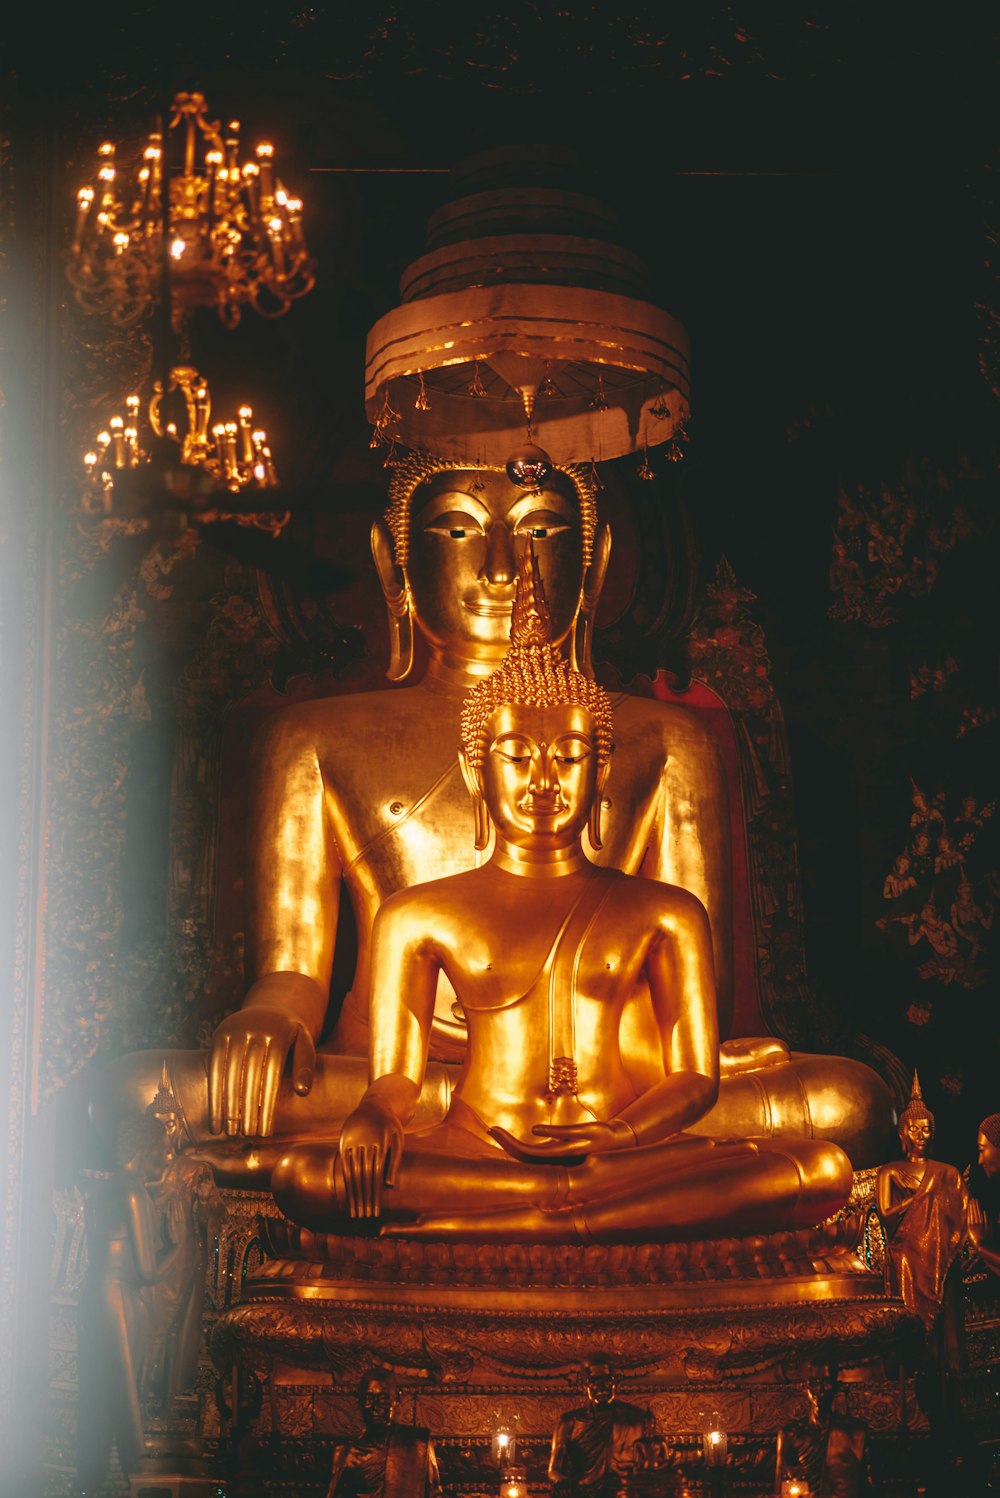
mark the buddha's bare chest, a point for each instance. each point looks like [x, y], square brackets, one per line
[545, 950]
[401, 818]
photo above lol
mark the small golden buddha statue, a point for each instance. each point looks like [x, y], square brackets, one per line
[388, 1460]
[134, 1245]
[826, 1452]
[923, 1207]
[549, 1136]
[358, 797]
[594, 1447]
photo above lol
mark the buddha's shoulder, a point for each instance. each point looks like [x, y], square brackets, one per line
[657, 901]
[670, 724]
[452, 893]
[354, 717]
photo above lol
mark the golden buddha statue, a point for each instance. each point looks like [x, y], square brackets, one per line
[550, 1135]
[826, 1453]
[361, 796]
[594, 1446]
[388, 1460]
[923, 1206]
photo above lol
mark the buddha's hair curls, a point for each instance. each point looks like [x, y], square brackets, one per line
[533, 673]
[408, 475]
[916, 1107]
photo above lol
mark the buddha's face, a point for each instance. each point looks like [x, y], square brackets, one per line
[467, 533]
[377, 1397]
[916, 1135]
[600, 1384]
[540, 773]
[989, 1156]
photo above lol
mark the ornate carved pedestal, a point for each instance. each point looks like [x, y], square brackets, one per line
[481, 1335]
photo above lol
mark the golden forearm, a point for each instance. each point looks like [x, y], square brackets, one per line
[293, 882]
[673, 1104]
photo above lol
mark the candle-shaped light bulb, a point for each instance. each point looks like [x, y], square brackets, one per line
[84, 198]
[265, 156]
[213, 160]
[171, 429]
[120, 241]
[176, 249]
[118, 438]
[90, 462]
[132, 444]
[251, 183]
[245, 415]
[276, 235]
[104, 440]
[294, 210]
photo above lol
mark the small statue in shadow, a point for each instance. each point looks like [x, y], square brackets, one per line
[133, 1244]
[827, 1450]
[187, 1189]
[388, 1460]
[594, 1446]
[923, 1207]
[984, 1208]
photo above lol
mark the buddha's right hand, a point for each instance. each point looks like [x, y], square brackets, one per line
[371, 1149]
[249, 1051]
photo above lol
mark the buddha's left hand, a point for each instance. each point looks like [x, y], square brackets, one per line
[568, 1144]
[371, 1148]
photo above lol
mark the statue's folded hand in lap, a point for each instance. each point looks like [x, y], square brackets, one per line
[552, 1132]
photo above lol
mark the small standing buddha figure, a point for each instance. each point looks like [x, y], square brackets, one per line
[549, 1136]
[923, 1207]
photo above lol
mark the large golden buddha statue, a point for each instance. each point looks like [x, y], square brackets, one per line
[550, 1135]
[357, 797]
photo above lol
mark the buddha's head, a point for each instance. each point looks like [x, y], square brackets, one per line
[377, 1396]
[448, 560]
[165, 1110]
[599, 1382]
[140, 1147]
[916, 1124]
[988, 1141]
[820, 1393]
[536, 735]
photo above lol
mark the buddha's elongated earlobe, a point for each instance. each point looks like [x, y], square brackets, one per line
[474, 785]
[398, 602]
[596, 806]
[582, 634]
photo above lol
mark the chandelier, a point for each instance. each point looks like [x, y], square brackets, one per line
[220, 234]
[196, 463]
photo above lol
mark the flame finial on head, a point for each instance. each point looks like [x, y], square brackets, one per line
[533, 672]
[531, 623]
[916, 1107]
